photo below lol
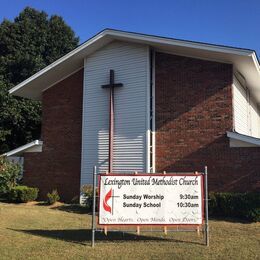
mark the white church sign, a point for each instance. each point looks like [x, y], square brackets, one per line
[151, 199]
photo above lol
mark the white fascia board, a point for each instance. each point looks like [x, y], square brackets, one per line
[25, 148]
[109, 35]
[254, 57]
[257, 65]
[174, 42]
[57, 62]
[248, 140]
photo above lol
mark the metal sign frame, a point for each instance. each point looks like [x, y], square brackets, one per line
[204, 206]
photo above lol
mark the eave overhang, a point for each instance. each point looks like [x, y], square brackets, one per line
[239, 140]
[244, 60]
[33, 147]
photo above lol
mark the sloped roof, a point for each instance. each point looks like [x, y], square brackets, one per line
[244, 60]
[242, 140]
[35, 146]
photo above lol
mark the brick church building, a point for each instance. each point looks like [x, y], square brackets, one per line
[181, 105]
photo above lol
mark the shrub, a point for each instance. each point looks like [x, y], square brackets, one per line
[23, 194]
[53, 197]
[9, 176]
[75, 200]
[235, 205]
[212, 203]
[87, 193]
[254, 215]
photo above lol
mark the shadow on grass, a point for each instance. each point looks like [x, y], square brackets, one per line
[73, 208]
[231, 220]
[83, 236]
[42, 203]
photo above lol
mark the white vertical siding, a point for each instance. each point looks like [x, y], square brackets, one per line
[255, 119]
[246, 111]
[240, 108]
[131, 66]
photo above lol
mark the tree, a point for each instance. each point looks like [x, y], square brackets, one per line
[27, 44]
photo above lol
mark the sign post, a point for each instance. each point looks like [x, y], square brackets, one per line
[94, 206]
[206, 206]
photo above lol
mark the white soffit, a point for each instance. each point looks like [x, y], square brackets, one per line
[244, 60]
[35, 146]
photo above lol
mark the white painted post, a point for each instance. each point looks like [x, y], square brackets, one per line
[105, 227]
[138, 227]
[165, 227]
[198, 227]
[94, 207]
[206, 206]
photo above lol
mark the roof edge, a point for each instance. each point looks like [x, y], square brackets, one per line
[181, 42]
[22, 148]
[57, 62]
[142, 38]
[244, 138]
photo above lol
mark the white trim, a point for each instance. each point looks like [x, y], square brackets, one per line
[181, 43]
[257, 65]
[148, 130]
[57, 62]
[58, 81]
[24, 148]
[83, 127]
[153, 108]
[141, 38]
[233, 103]
[249, 140]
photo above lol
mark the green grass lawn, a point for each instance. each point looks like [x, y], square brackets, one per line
[41, 232]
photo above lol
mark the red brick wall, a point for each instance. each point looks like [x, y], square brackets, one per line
[193, 107]
[58, 166]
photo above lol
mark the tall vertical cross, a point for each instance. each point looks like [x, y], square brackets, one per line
[111, 86]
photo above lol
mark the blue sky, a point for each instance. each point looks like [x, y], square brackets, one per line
[227, 22]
